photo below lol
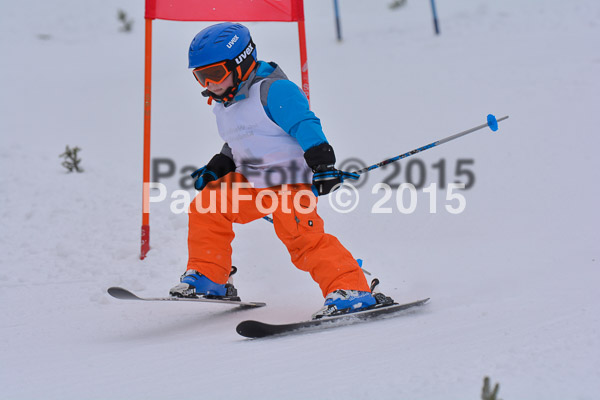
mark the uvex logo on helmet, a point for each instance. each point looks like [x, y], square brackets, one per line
[232, 41]
[239, 59]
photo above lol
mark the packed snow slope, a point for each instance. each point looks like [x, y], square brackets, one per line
[513, 278]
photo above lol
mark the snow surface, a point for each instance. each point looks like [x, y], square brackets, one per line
[513, 279]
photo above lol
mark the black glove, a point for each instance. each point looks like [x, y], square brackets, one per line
[326, 178]
[321, 159]
[219, 166]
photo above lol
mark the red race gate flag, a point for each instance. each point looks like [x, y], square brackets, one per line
[225, 10]
[209, 10]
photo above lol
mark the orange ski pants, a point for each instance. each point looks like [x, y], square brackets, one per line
[230, 199]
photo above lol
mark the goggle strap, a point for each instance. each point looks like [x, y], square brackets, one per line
[249, 70]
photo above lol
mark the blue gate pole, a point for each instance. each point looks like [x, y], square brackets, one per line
[337, 20]
[435, 18]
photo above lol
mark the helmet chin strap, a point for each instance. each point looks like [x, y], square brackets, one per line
[225, 97]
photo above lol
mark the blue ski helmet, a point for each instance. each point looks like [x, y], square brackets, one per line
[226, 41]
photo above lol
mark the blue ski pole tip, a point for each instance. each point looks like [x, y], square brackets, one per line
[492, 122]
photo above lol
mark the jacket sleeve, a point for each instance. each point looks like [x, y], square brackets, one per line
[288, 107]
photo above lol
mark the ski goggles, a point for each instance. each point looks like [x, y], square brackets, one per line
[215, 73]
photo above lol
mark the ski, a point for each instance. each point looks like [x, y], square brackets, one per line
[124, 294]
[257, 329]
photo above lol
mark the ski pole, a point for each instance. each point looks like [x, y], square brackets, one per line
[338, 28]
[435, 18]
[492, 123]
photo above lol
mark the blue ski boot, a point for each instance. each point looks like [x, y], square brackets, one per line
[193, 284]
[345, 301]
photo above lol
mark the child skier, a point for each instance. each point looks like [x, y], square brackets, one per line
[274, 150]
